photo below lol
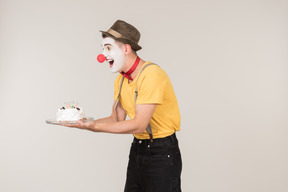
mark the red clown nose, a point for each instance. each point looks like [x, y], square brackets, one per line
[101, 58]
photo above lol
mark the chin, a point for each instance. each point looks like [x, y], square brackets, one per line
[114, 70]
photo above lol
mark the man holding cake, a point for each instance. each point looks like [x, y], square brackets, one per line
[143, 91]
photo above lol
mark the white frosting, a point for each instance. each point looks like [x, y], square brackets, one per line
[70, 114]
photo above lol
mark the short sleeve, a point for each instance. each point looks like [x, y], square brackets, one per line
[151, 86]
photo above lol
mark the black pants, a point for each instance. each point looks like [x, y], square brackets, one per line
[154, 167]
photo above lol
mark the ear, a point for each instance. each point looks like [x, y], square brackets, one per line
[127, 49]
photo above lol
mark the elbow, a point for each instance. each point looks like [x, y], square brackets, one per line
[139, 125]
[140, 129]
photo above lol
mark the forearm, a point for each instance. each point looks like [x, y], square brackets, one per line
[121, 127]
[110, 119]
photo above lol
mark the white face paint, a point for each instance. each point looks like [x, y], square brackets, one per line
[114, 54]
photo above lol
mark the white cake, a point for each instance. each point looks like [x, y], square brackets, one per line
[69, 114]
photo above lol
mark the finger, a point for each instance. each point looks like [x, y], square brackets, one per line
[71, 125]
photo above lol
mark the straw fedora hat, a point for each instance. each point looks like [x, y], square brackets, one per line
[125, 33]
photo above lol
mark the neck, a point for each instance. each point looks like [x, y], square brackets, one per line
[136, 71]
[130, 63]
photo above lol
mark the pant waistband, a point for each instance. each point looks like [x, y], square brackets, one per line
[171, 138]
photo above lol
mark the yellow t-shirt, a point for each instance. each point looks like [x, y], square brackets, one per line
[153, 87]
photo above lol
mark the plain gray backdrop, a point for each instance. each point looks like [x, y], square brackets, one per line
[227, 61]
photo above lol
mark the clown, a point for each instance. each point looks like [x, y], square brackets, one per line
[142, 91]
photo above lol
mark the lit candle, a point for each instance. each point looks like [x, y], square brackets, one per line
[66, 105]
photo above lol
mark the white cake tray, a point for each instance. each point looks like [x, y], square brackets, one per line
[54, 122]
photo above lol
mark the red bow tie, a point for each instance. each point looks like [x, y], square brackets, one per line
[131, 70]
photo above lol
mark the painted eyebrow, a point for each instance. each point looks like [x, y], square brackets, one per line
[106, 44]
